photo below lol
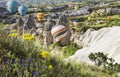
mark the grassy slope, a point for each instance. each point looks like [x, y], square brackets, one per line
[114, 18]
[85, 24]
[66, 70]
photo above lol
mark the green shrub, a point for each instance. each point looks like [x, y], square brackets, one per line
[70, 49]
[101, 59]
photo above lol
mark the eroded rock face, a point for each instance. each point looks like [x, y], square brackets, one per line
[9, 21]
[48, 38]
[106, 40]
[30, 22]
[20, 21]
[30, 25]
[63, 20]
[20, 26]
[40, 28]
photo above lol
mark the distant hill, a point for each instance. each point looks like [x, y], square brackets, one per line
[2, 4]
[31, 2]
[41, 1]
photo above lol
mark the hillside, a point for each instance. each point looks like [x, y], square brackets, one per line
[29, 2]
[60, 38]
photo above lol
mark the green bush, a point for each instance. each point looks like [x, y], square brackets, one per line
[70, 49]
[101, 59]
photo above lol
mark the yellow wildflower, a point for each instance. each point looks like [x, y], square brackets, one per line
[26, 35]
[31, 37]
[44, 54]
[13, 31]
[13, 34]
[50, 66]
[28, 38]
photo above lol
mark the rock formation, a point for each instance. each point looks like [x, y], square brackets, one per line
[106, 40]
[48, 38]
[20, 26]
[30, 24]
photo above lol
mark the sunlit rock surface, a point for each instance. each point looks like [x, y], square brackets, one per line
[106, 40]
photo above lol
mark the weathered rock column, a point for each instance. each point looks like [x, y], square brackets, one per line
[30, 25]
[20, 26]
[48, 38]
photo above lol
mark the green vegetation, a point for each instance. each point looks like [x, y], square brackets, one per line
[25, 57]
[70, 49]
[22, 58]
[101, 59]
[96, 22]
